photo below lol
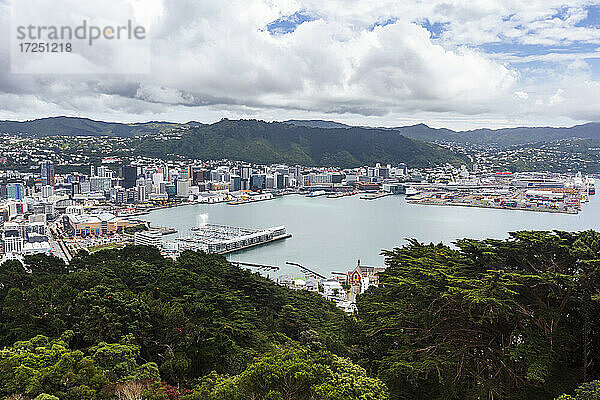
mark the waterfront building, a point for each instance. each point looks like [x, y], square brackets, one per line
[235, 183]
[219, 186]
[258, 182]
[148, 238]
[223, 239]
[95, 224]
[333, 289]
[363, 276]
[313, 179]
[183, 187]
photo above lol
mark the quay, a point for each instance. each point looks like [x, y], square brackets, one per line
[552, 200]
[374, 196]
[341, 194]
[166, 230]
[238, 202]
[274, 239]
[222, 239]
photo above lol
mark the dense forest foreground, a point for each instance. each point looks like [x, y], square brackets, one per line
[483, 319]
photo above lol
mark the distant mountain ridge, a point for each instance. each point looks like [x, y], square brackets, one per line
[317, 123]
[76, 126]
[500, 137]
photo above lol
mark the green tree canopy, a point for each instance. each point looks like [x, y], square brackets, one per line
[490, 318]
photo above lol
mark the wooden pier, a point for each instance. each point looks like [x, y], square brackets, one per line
[253, 265]
[305, 270]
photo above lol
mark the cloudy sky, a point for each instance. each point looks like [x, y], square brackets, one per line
[457, 64]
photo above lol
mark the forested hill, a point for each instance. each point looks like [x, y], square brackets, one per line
[263, 142]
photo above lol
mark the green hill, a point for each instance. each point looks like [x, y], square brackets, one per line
[276, 142]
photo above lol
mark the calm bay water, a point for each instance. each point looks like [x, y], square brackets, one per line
[332, 234]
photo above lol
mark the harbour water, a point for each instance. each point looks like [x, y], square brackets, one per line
[332, 234]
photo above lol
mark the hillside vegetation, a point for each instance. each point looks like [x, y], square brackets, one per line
[262, 142]
[502, 319]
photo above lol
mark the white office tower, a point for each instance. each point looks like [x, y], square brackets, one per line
[47, 191]
[158, 178]
[148, 238]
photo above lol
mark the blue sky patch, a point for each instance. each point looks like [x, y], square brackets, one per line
[435, 29]
[388, 21]
[534, 49]
[593, 18]
[289, 23]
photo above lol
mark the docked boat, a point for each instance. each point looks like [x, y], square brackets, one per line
[411, 191]
[317, 193]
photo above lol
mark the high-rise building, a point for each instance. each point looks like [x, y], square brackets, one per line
[100, 184]
[129, 175]
[142, 194]
[245, 171]
[47, 172]
[105, 172]
[157, 178]
[183, 187]
[383, 172]
[235, 183]
[279, 181]
[402, 169]
[258, 182]
[47, 191]
[15, 191]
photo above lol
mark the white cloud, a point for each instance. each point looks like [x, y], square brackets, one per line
[521, 95]
[214, 59]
